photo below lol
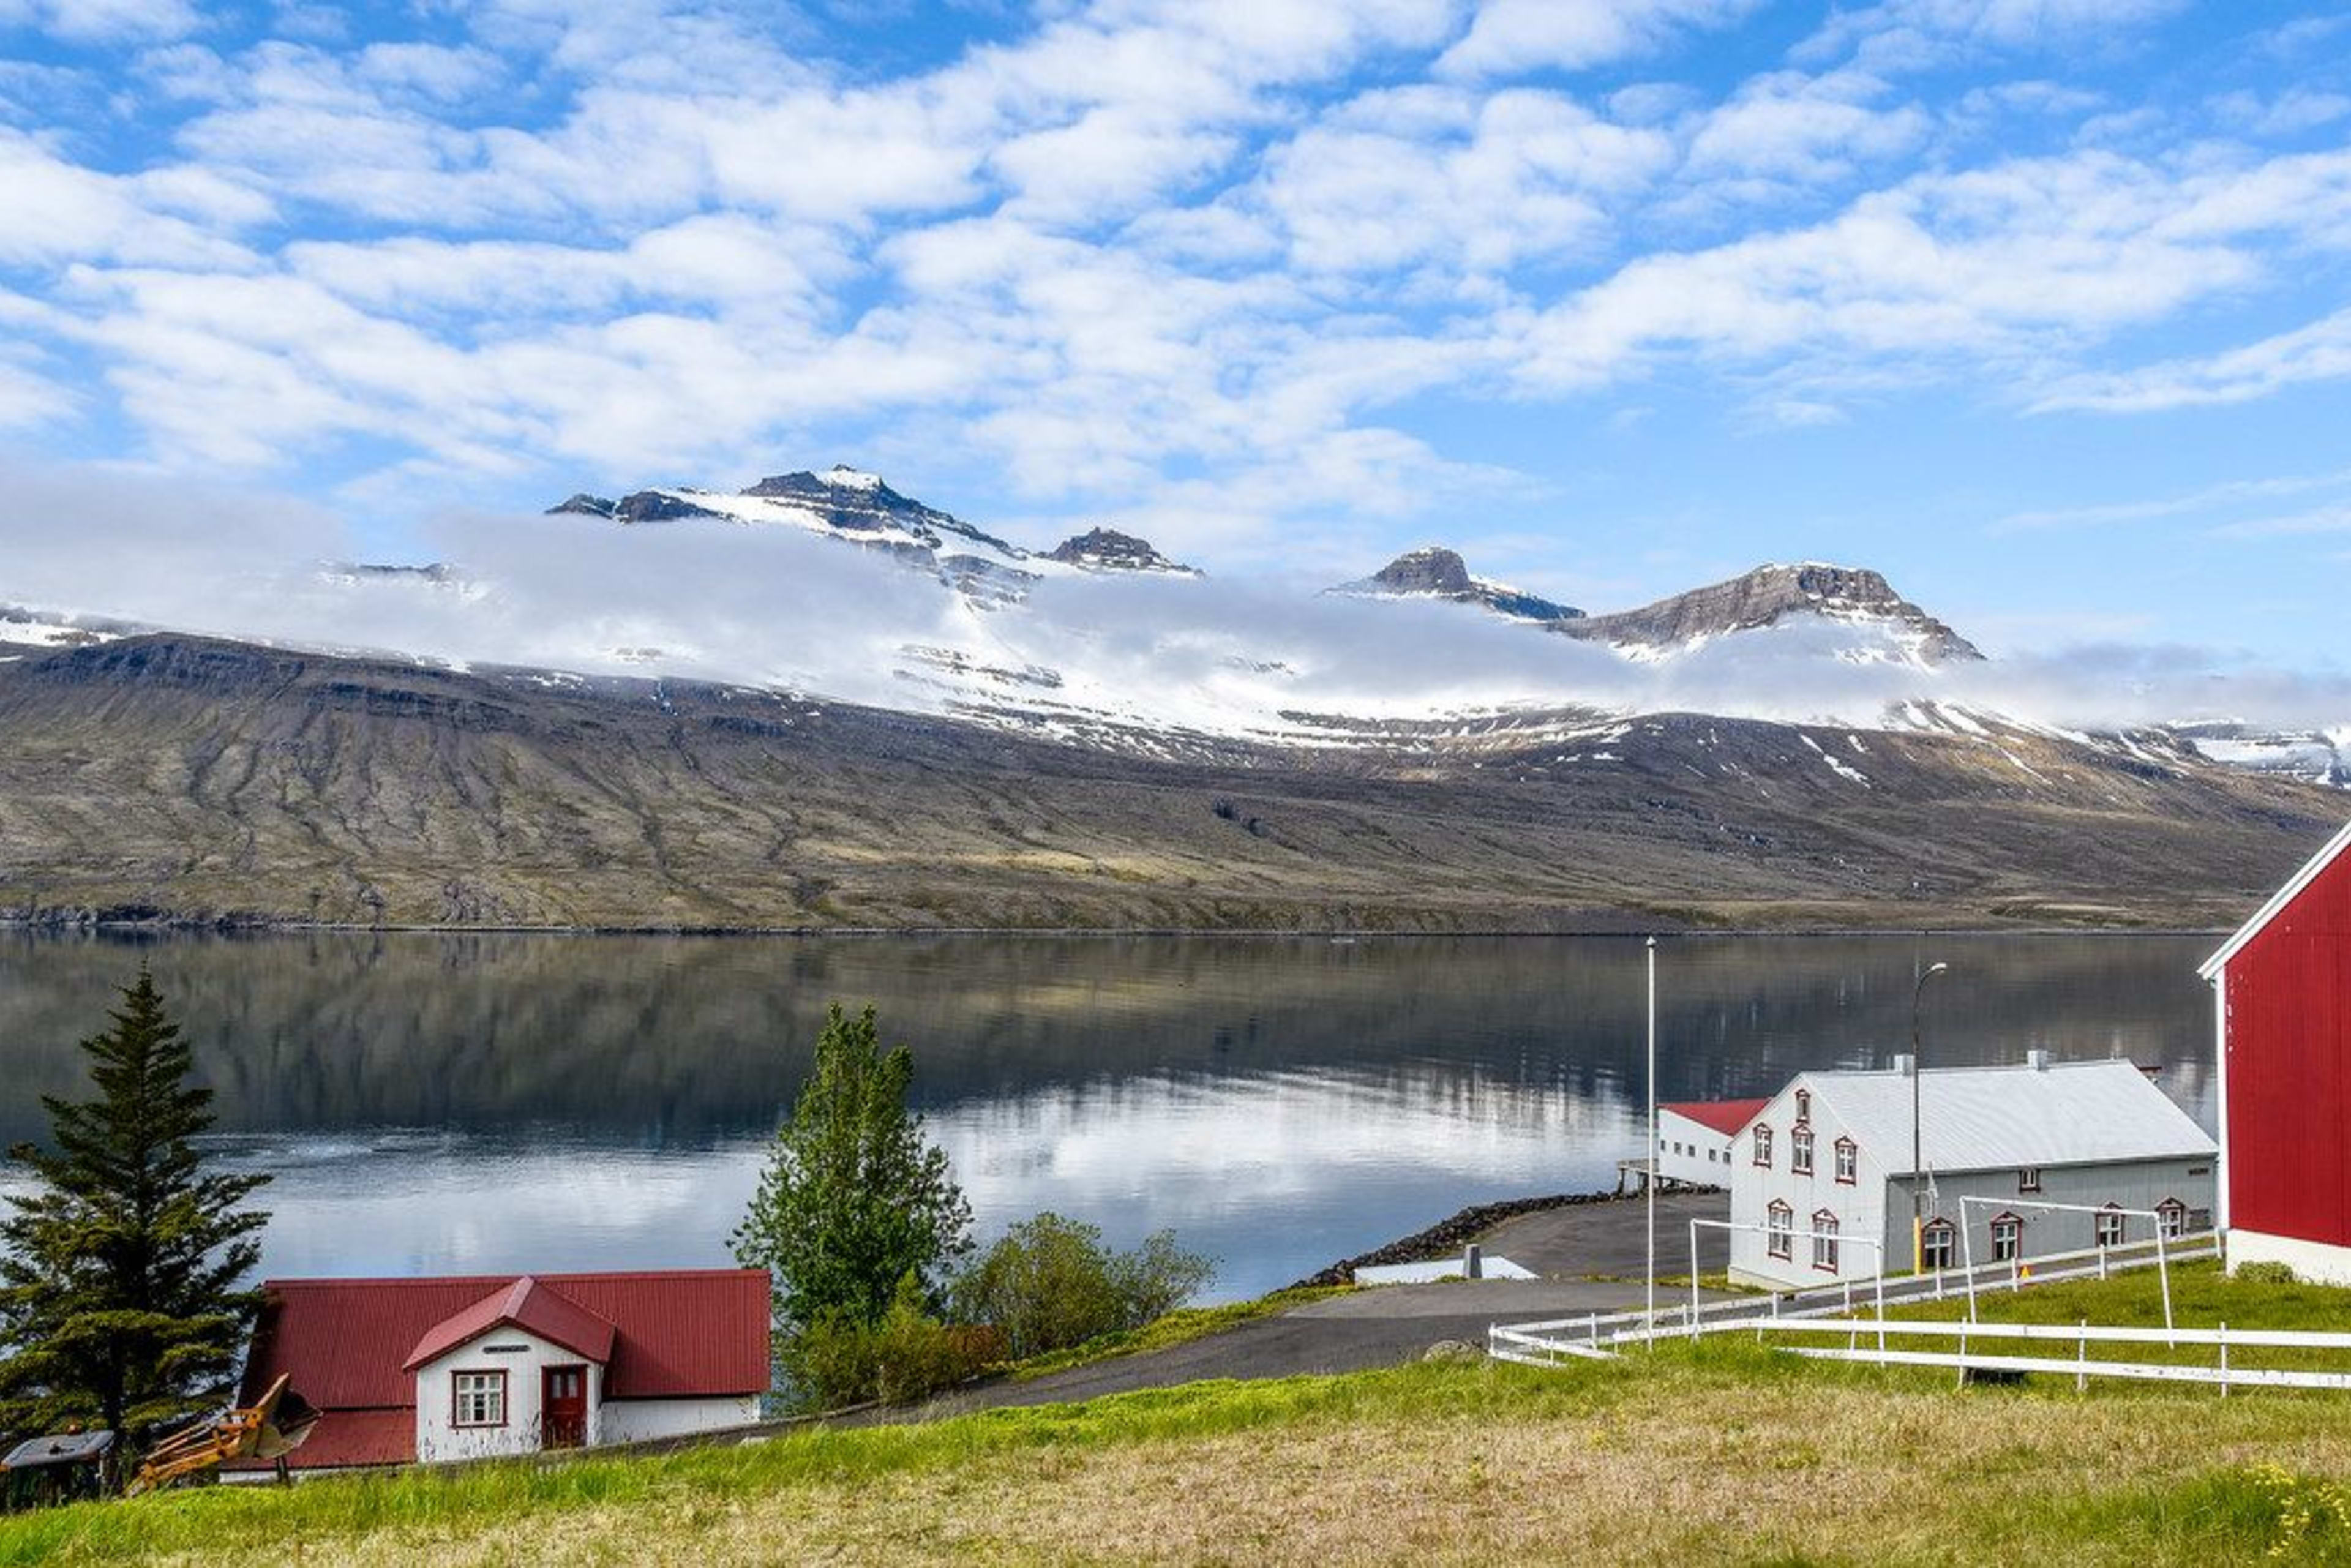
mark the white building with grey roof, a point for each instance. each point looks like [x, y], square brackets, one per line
[1822, 1177]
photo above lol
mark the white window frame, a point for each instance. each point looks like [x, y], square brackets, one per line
[1762, 1144]
[2107, 1226]
[1800, 1149]
[1779, 1230]
[2009, 1247]
[477, 1397]
[1938, 1237]
[1824, 1241]
[2171, 1218]
[1848, 1161]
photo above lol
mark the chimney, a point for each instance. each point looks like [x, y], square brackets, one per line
[1905, 1064]
[2037, 1060]
[1473, 1262]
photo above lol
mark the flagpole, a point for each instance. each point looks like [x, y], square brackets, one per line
[1651, 1185]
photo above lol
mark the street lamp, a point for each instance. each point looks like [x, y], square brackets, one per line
[1917, 1162]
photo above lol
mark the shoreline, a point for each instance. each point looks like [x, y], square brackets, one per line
[232, 925]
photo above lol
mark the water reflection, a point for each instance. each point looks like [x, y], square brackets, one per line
[436, 1103]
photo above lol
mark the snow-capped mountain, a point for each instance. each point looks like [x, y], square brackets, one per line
[1882, 626]
[1435, 573]
[2320, 755]
[1107, 550]
[860, 508]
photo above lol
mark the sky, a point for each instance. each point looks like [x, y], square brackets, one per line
[2038, 305]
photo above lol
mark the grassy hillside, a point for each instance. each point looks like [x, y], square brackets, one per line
[1721, 1453]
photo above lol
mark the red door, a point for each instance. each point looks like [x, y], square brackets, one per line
[563, 1406]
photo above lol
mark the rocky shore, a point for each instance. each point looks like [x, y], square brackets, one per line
[1448, 1236]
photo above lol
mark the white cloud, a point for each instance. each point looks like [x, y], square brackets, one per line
[2318, 351]
[1511, 38]
[102, 21]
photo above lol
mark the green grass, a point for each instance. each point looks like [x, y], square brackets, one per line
[1716, 1451]
[1178, 1327]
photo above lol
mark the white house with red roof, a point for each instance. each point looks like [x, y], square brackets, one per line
[424, 1369]
[1695, 1138]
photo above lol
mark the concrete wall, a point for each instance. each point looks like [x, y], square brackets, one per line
[635, 1420]
[2315, 1261]
[522, 1357]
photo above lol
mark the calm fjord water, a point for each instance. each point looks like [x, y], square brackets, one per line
[452, 1103]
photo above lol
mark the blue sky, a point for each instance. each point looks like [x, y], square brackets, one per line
[2038, 306]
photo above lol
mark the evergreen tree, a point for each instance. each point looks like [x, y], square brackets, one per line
[119, 1298]
[853, 1197]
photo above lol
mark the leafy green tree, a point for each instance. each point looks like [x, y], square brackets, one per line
[1049, 1283]
[853, 1197]
[119, 1298]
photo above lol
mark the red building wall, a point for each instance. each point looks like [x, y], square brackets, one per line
[2289, 1033]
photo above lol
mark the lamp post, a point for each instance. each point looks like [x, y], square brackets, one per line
[1650, 1186]
[1917, 1162]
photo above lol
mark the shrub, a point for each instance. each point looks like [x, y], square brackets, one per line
[2265, 1273]
[838, 1361]
[1048, 1284]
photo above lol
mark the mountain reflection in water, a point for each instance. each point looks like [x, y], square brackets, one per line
[500, 1102]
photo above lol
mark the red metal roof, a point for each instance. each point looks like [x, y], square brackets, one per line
[527, 1305]
[345, 1438]
[1725, 1116]
[682, 1334]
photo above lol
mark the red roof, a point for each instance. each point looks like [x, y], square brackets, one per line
[345, 1438]
[529, 1306]
[347, 1344]
[1725, 1116]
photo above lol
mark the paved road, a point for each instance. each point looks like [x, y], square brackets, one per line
[1399, 1322]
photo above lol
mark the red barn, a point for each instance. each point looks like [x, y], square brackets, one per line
[2282, 996]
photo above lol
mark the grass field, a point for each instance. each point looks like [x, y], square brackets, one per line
[1720, 1452]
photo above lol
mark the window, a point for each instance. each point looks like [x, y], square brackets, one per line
[1824, 1245]
[1762, 1145]
[2110, 1225]
[2007, 1237]
[2028, 1179]
[1779, 1224]
[1803, 1105]
[2171, 1218]
[1848, 1156]
[477, 1400]
[1938, 1244]
[1800, 1150]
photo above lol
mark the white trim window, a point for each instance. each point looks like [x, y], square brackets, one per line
[1762, 1144]
[2110, 1225]
[2171, 1218]
[477, 1398]
[2028, 1179]
[1939, 1245]
[2007, 1237]
[1824, 1241]
[1779, 1229]
[1848, 1161]
[1800, 1150]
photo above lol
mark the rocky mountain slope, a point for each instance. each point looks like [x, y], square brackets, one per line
[172, 777]
[1435, 573]
[1898, 631]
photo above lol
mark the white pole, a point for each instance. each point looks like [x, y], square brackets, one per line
[2163, 1269]
[1967, 1259]
[1652, 1184]
[1693, 1279]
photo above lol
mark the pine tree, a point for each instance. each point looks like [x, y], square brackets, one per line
[119, 1298]
[853, 1197]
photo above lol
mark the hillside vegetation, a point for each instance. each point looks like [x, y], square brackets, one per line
[1719, 1453]
[172, 778]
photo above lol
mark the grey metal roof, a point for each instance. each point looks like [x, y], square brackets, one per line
[1982, 1118]
[57, 1449]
